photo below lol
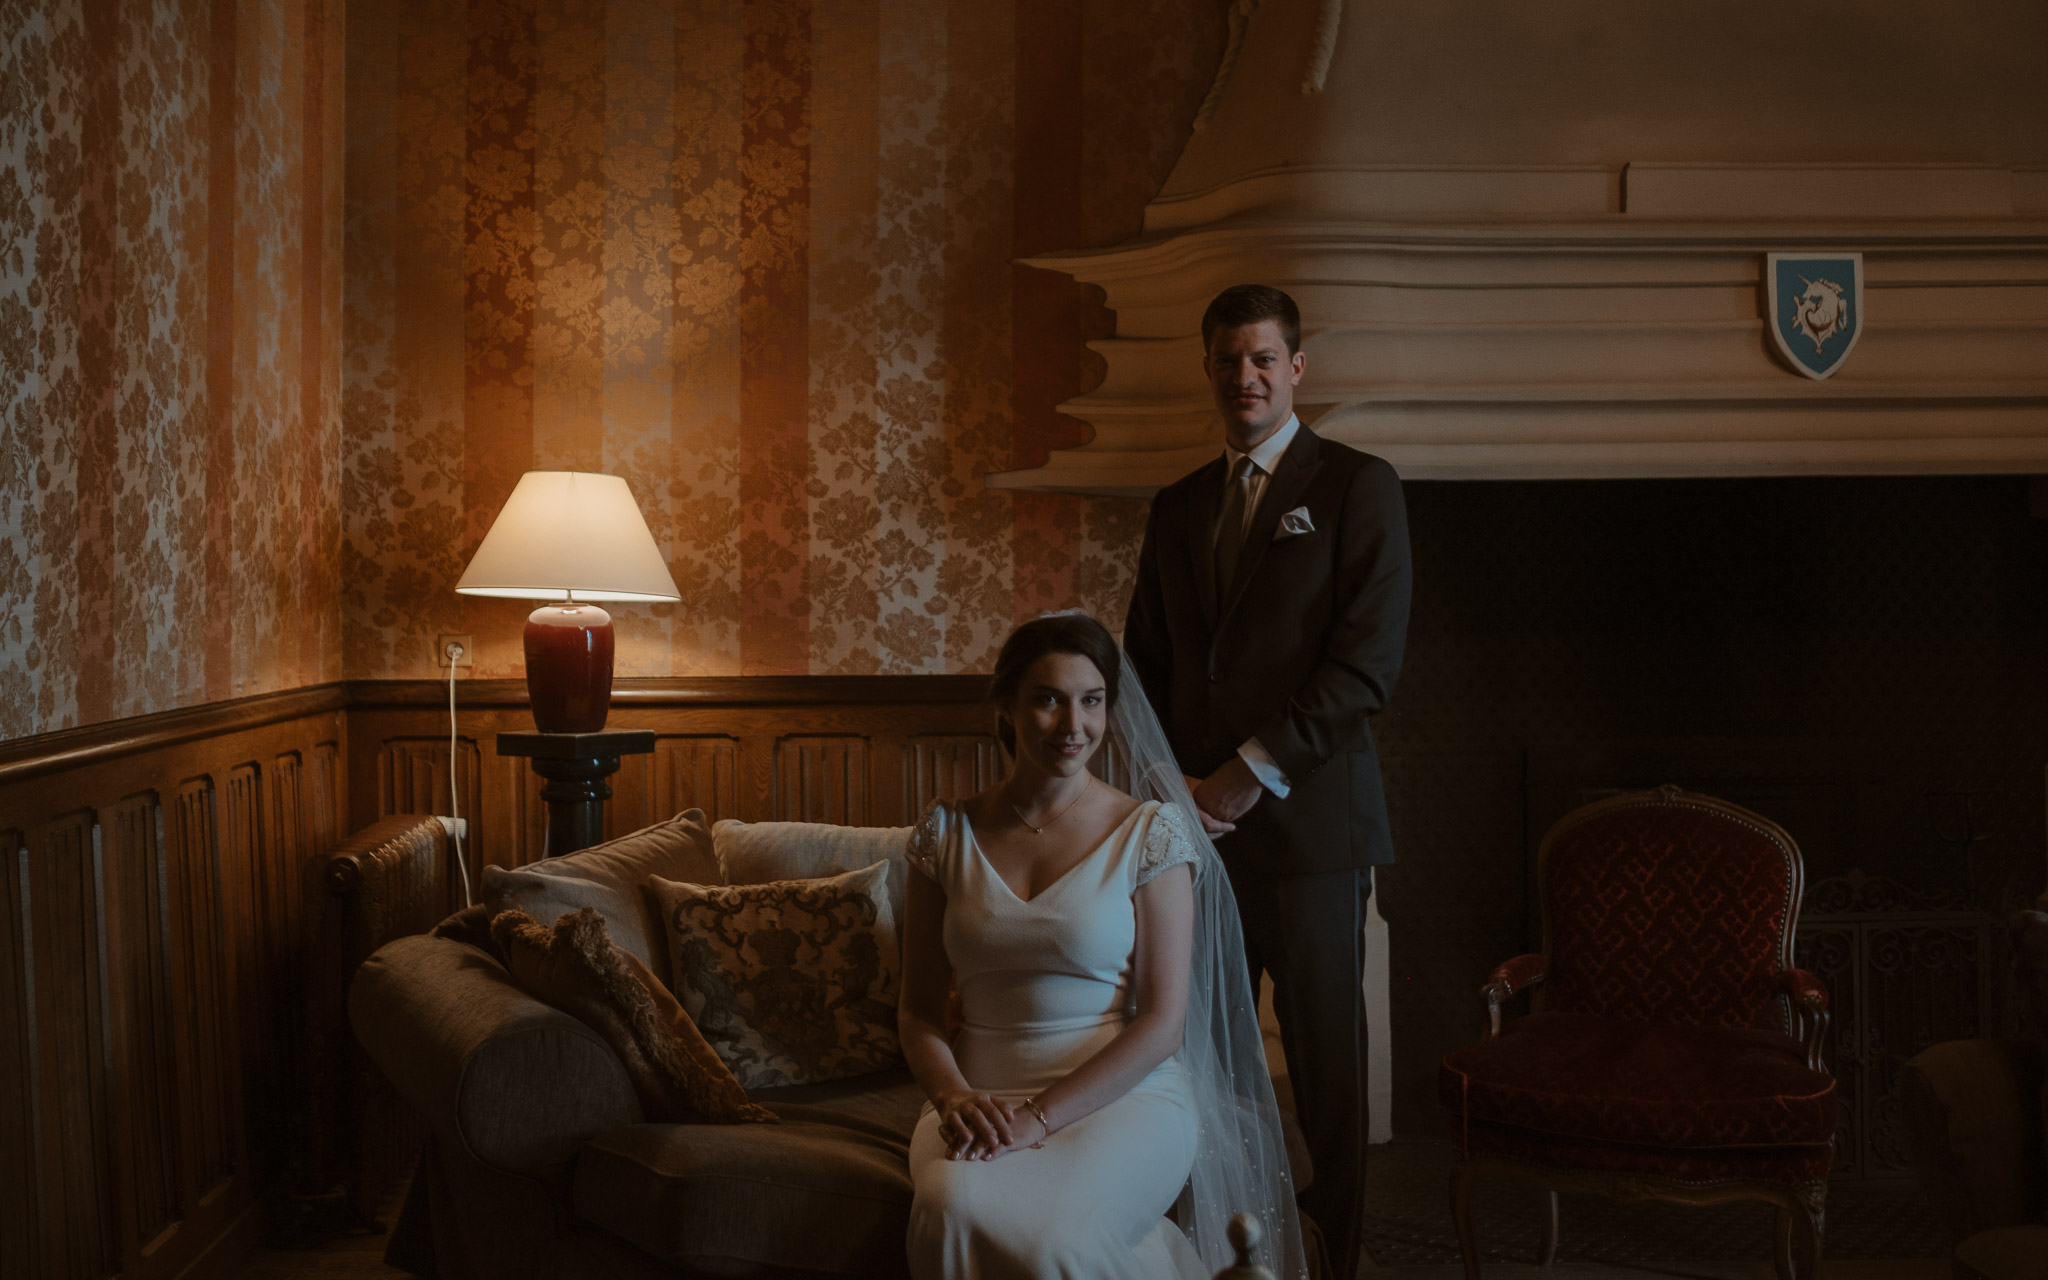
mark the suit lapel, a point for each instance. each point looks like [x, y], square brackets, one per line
[1283, 493]
[1205, 499]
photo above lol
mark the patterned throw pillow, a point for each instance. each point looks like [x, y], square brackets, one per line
[608, 877]
[793, 981]
[575, 967]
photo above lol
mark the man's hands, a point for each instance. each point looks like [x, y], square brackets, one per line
[1226, 795]
[981, 1126]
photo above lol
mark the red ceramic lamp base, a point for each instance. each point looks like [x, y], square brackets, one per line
[569, 667]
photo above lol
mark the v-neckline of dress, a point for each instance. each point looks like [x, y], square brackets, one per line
[967, 825]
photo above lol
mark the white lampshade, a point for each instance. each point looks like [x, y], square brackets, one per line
[571, 534]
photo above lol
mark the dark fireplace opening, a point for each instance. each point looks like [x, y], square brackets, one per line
[1862, 660]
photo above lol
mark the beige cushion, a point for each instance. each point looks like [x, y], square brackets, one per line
[608, 877]
[1962, 1105]
[827, 1190]
[758, 852]
[2009, 1253]
[573, 966]
[793, 981]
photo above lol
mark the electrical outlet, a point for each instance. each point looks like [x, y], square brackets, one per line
[464, 654]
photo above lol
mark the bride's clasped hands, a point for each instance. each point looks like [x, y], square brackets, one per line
[1059, 911]
[982, 1126]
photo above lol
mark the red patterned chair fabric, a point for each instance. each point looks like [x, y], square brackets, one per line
[1658, 1061]
[1667, 913]
[1575, 1075]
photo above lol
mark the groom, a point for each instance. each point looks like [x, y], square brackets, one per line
[1267, 626]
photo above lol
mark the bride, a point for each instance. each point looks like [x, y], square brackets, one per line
[1107, 1068]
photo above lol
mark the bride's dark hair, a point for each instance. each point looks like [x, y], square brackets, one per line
[1074, 633]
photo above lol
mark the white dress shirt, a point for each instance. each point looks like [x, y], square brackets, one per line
[1265, 456]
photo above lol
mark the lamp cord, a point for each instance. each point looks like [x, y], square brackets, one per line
[455, 789]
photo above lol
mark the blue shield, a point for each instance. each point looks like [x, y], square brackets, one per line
[1816, 308]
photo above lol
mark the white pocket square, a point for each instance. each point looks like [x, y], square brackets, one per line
[1294, 524]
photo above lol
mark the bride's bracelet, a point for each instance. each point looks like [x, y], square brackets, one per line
[1031, 1105]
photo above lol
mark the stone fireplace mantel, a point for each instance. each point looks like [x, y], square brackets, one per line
[1560, 320]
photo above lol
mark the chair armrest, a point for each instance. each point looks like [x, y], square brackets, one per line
[1809, 997]
[2030, 954]
[1971, 1114]
[520, 1084]
[1507, 981]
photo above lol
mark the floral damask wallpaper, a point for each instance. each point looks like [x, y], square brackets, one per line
[170, 285]
[292, 291]
[757, 258]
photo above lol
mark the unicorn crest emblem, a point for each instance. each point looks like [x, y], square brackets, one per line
[1815, 308]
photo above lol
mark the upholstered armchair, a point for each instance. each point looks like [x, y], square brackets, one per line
[1674, 1053]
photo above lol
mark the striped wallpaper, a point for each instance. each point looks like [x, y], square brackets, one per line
[170, 288]
[292, 291]
[756, 258]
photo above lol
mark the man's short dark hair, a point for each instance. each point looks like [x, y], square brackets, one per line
[1243, 304]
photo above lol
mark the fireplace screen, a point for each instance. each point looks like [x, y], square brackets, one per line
[1905, 968]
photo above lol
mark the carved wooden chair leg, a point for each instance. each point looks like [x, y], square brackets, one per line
[1546, 1253]
[1811, 1214]
[1781, 1242]
[1461, 1213]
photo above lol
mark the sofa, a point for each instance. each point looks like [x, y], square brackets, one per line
[1973, 1117]
[540, 1160]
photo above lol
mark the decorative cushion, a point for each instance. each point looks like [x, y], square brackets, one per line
[608, 877]
[1576, 1076]
[760, 852]
[1667, 911]
[793, 981]
[576, 968]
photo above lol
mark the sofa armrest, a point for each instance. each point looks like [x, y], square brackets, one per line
[520, 1084]
[1972, 1117]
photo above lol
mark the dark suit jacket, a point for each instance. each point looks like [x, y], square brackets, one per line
[1299, 653]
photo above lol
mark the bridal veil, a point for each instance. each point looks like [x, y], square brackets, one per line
[1241, 1158]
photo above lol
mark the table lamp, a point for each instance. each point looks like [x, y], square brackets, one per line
[570, 538]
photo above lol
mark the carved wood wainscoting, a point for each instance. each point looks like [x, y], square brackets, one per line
[161, 929]
[150, 919]
[858, 750]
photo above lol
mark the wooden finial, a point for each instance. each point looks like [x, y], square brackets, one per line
[1244, 1234]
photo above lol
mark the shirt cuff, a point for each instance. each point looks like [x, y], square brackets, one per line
[1263, 768]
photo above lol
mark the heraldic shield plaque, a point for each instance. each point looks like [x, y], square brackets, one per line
[1816, 308]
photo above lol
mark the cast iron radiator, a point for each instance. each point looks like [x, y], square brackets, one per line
[389, 880]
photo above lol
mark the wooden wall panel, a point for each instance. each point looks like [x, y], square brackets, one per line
[946, 767]
[21, 1191]
[524, 816]
[324, 797]
[150, 925]
[700, 771]
[200, 968]
[819, 748]
[144, 1027]
[70, 1054]
[412, 777]
[821, 778]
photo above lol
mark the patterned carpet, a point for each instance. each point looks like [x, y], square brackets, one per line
[1408, 1220]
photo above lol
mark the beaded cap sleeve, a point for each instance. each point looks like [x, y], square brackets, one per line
[922, 851]
[1167, 845]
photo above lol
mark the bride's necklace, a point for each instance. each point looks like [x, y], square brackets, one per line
[1040, 829]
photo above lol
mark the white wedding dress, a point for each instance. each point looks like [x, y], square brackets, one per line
[1043, 985]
